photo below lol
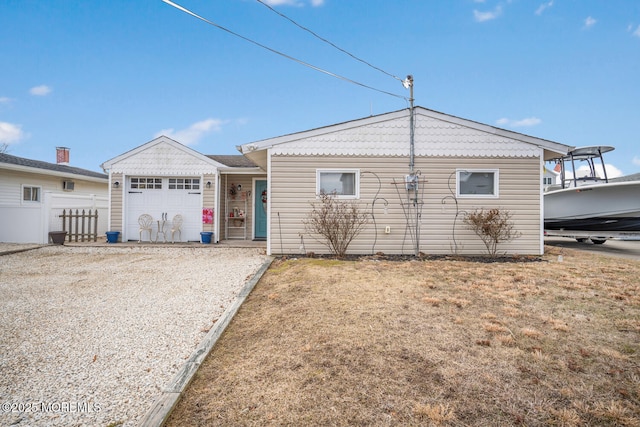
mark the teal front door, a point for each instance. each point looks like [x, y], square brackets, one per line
[260, 210]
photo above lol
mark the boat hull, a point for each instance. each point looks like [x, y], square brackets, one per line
[601, 209]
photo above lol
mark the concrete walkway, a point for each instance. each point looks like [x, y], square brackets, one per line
[9, 248]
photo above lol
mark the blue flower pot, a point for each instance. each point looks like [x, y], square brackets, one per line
[112, 236]
[205, 236]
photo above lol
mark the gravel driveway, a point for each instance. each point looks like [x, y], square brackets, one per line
[90, 335]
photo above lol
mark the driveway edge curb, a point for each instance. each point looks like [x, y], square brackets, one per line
[159, 412]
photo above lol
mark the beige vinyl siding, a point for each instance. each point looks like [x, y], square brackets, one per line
[519, 193]
[209, 200]
[293, 187]
[116, 218]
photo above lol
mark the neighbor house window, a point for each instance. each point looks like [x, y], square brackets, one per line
[142, 183]
[344, 183]
[477, 183]
[30, 194]
[184, 183]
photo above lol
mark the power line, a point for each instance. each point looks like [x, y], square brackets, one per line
[306, 64]
[328, 42]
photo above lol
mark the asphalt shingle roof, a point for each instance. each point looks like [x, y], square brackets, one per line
[37, 164]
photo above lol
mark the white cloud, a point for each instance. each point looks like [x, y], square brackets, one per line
[42, 90]
[612, 171]
[543, 6]
[487, 16]
[193, 133]
[4, 100]
[589, 22]
[636, 160]
[526, 122]
[10, 133]
[530, 121]
[636, 32]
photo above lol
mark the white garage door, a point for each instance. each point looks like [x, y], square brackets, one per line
[155, 196]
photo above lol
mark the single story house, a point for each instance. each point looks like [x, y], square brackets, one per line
[33, 195]
[416, 186]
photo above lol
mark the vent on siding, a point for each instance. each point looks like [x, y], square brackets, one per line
[68, 185]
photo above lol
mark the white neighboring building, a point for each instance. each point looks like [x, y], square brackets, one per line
[33, 194]
[550, 177]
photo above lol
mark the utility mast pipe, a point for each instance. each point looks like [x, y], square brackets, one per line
[409, 82]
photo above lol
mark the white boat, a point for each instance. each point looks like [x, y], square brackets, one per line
[591, 206]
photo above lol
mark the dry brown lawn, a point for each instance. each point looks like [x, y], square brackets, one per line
[440, 342]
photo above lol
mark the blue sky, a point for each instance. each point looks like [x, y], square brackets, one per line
[103, 77]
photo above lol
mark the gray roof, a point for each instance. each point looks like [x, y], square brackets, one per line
[37, 164]
[233, 161]
[632, 177]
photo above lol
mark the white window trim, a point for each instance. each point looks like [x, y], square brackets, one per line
[356, 172]
[154, 178]
[496, 186]
[188, 183]
[30, 202]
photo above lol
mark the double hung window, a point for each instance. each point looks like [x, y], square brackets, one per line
[31, 193]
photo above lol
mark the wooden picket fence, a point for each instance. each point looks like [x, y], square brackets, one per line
[82, 226]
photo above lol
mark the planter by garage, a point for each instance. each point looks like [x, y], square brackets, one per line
[206, 236]
[57, 237]
[112, 236]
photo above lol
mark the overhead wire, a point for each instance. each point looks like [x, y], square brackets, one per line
[306, 64]
[302, 27]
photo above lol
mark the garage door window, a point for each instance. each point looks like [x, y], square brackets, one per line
[184, 183]
[146, 183]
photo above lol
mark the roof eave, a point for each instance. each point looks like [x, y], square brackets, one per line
[39, 171]
[241, 171]
[258, 157]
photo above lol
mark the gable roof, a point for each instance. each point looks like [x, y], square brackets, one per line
[7, 161]
[162, 154]
[388, 135]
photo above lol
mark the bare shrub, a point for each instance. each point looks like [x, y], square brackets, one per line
[338, 222]
[493, 226]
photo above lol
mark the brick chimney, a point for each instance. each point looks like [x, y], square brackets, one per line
[62, 155]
